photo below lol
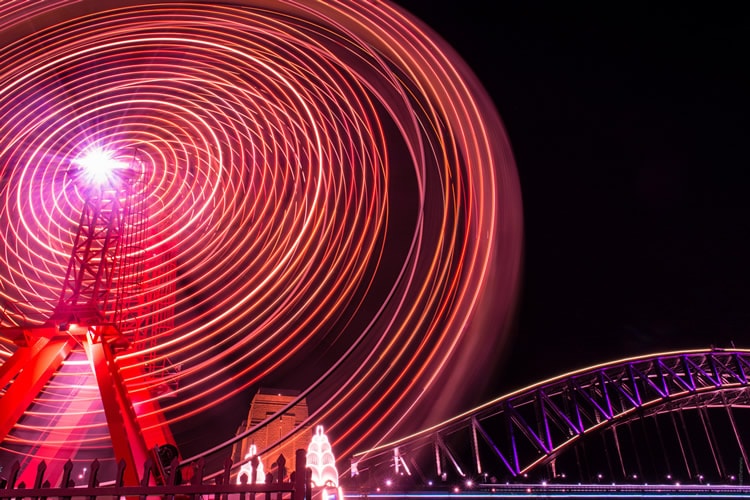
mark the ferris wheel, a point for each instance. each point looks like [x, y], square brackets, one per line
[199, 199]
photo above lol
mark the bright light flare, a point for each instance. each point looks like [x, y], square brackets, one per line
[99, 166]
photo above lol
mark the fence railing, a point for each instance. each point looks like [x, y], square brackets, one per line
[277, 486]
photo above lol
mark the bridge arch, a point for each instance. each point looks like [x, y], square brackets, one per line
[608, 422]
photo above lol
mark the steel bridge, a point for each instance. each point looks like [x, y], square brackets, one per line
[669, 418]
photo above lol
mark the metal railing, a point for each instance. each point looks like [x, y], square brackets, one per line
[277, 486]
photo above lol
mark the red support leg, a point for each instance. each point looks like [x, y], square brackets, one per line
[29, 342]
[127, 440]
[30, 378]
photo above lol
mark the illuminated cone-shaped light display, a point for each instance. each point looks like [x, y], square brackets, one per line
[247, 468]
[321, 461]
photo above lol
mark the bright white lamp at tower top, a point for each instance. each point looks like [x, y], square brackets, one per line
[99, 167]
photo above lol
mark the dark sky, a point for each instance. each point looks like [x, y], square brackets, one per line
[629, 127]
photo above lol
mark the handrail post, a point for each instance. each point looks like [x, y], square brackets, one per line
[300, 474]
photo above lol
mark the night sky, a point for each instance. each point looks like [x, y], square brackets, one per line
[628, 125]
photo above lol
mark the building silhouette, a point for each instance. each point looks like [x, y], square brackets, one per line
[266, 403]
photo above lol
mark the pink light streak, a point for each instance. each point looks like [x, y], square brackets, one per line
[333, 184]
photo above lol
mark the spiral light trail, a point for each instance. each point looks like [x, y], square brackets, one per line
[331, 204]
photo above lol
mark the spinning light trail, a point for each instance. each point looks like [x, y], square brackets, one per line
[328, 199]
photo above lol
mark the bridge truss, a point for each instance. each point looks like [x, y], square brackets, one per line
[665, 418]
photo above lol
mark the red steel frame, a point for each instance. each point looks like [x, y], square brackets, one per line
[87, 314]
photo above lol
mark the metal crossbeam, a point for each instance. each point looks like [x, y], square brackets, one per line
[532, 427]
